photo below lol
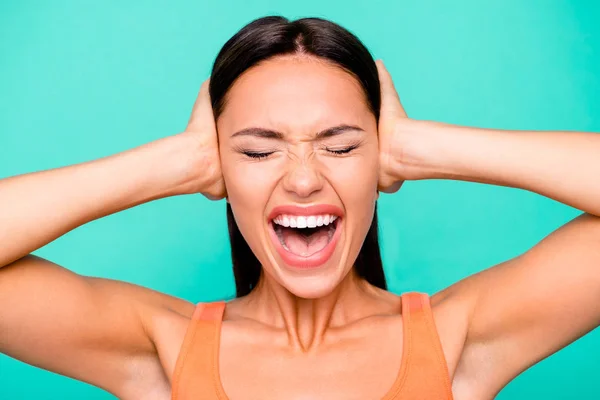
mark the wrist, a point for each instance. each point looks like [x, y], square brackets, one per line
[417, 149]
[186, 164]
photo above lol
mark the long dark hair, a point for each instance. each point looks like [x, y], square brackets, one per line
[273, 36]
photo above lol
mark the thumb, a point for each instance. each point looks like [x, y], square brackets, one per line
[390, 101]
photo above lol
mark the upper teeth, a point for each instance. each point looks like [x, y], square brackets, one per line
[308, 221]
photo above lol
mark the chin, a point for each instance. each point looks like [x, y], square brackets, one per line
[311, 286]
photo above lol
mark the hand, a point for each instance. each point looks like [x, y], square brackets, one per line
[391, 119]
[201, 127]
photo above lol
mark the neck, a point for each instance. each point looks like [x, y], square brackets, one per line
[307, 321]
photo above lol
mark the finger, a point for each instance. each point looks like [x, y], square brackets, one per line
[390, 101]
[202, 113]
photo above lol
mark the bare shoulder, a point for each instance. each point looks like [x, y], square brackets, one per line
[56, 316]
[165, 319]
[511, 308]
[452, 308]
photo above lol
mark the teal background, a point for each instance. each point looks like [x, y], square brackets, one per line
[82, 79]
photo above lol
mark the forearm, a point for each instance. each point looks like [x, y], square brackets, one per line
[37, 208]
[564, 166]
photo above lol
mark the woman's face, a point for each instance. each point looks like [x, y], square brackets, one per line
[299, 155]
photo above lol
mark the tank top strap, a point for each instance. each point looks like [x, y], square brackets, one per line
[197, 368]
[426, 371]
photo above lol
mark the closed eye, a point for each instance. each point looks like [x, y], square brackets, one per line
[258, 155]
[341, 151]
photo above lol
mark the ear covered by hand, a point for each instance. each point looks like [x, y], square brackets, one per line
[201, 127]
[391, 118]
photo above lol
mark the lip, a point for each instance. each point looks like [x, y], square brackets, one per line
[314, 260]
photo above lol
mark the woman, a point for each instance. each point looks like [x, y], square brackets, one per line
[310, 129]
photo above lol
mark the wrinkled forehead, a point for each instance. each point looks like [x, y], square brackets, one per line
[294, 93]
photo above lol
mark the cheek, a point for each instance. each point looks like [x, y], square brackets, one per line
[355, 182]
[249, 186]
[248, 182]
[355, 178]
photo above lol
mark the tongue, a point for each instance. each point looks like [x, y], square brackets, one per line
[302, 245]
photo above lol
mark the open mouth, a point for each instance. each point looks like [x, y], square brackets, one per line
[305, 241]
[305, 236]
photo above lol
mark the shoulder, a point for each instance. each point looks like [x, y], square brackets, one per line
[468, 362]
[452, 309]
[166, 320]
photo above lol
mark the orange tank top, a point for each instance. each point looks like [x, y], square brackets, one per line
[423, 372]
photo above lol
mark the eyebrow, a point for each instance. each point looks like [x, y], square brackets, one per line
[271, 134]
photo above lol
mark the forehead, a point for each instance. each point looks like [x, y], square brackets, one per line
[294, 92]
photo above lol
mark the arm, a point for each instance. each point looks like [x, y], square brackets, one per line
[527, 308]
[39, 207]
[92, 329]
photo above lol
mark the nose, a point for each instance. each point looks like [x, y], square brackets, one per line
[302, 179]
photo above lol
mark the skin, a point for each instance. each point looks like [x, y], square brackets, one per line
[126, 339]
[298, 168]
